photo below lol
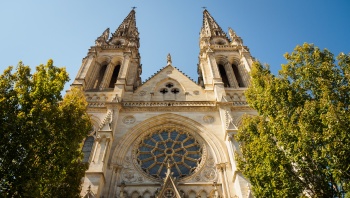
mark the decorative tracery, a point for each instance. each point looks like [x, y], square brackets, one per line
[180, 148]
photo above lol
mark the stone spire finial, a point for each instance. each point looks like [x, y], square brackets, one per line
[210, 27]
[231, 33]
[169, 59]
[102, 40]
[127, 31]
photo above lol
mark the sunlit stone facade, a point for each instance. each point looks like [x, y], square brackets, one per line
[168, 136]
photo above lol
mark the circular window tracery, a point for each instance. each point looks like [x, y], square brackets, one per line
[180, 149]
[169, 86]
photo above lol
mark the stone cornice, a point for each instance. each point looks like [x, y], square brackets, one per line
[169, 105]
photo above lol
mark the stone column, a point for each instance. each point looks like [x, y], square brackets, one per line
[112, 185]
[93, 75]
[213, 66]
[125, 66]
[230, 75]
[107, 76]
[222, 171]
[231, 150]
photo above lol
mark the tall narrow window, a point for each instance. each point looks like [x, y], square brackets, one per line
[238, 76]
[114, 76]
[223, 76]
[89, 142]
[100, 76]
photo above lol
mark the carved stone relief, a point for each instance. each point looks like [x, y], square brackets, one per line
[209, 174]
[142, 93]
[128, 175]
[208, 119]
[129, 120]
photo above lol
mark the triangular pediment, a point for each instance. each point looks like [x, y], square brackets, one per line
[169, 188]
[169, 84]
[170, 71]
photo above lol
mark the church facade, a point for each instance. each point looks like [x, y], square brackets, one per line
[168, 136]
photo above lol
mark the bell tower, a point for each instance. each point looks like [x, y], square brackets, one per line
[224, 62]
[110, 71]
[223, 69]
[114, 62]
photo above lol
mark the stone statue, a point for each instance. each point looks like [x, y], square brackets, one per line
[169, 59]
[232, 34]
[216, 192]
[121, 194]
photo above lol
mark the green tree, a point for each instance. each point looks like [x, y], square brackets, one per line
[300, 142]
[41, 133]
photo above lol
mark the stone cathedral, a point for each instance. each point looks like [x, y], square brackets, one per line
[167, 137]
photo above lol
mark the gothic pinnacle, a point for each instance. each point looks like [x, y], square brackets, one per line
[210, 27]
[127, 31]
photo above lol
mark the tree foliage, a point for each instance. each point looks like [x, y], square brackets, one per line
[300, 143]
[41, 133]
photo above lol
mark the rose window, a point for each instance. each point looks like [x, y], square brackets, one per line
[180, 149]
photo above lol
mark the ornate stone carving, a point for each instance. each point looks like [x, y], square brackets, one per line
[230, 120]
[168, 58]
[102, 40]
[168, 109]
[129, 120]
[143, 142]
[210, 162]
[162, 104]
[107, 121]
[142, 93]
[129, 175]
[209, 174]
[197, 178]
[208, 119]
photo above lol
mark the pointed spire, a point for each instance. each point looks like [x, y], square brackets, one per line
[235, 40]
[169, 187]
[102, 40]
[89, 193]
[127, 32]
[210, 27]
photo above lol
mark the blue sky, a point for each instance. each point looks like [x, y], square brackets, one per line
[35, 31]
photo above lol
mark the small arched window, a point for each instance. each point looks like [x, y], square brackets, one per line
[89, 142]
